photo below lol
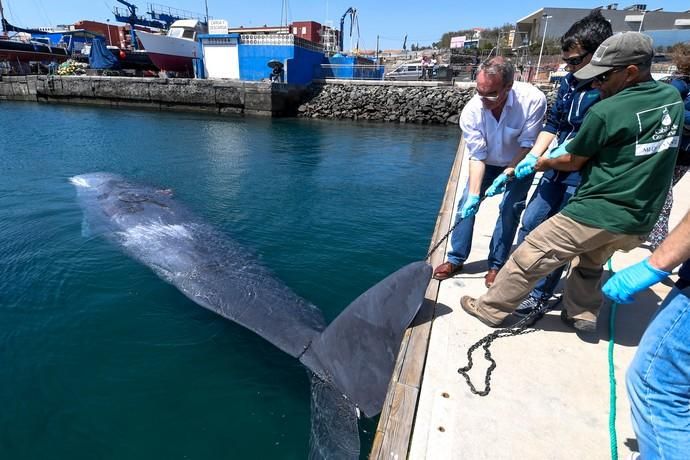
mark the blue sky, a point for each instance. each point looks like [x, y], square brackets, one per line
[422, 21]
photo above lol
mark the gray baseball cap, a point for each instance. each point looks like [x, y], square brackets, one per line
[619, 50]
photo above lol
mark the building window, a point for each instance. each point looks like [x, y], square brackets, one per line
[304, 31]
[294, 30]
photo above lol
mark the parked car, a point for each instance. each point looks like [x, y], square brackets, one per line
[413, 71]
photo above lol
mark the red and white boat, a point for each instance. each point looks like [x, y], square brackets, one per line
[176, 50]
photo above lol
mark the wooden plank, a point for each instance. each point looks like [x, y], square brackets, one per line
[395, 443]
[397, 416]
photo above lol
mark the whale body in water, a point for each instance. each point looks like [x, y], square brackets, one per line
[349, 361]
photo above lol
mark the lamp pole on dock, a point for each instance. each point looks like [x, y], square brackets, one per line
[543, 39]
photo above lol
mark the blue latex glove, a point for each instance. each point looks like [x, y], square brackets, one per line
[559, 151]
[470, 207]
[622, 286]
[526, 166]
[498, 186]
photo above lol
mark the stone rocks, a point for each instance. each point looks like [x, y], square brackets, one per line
[394, 104]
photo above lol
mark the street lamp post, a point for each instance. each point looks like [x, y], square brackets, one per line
[543, 38]
[110, 39]
[644, 13]
[641, 21]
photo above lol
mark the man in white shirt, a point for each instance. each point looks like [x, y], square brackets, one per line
[499, 126]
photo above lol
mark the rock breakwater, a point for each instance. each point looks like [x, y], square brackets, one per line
[388, 103]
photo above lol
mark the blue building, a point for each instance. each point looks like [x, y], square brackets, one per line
[247, 57]
[298, 61]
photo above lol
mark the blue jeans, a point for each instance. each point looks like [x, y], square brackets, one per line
[548, 199]
[658, 382]
[506, 225]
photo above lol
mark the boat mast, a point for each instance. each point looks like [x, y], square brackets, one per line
[2, 15]
[206, 5]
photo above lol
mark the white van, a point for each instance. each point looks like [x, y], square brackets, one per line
[409, 71]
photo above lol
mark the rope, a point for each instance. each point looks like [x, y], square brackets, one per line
[612, 378]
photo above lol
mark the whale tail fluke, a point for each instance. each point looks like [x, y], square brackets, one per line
[357, 351]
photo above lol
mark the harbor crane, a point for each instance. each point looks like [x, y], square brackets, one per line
[130, 17]
[352, 12]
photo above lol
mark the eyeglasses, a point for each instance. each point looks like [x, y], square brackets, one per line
[575, 60]
[604, 77]
[490, 98]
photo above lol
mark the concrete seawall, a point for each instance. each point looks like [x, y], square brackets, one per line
[214, 96]
[394, 102]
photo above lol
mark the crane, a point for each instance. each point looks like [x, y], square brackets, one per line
[131, 18]
[353, 20]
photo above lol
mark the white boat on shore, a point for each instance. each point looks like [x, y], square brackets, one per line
[176, 50]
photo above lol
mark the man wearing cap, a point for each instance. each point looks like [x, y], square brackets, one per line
[626, 149]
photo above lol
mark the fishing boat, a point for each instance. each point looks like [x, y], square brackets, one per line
[176, 50]
[26, 50]
[17, 50]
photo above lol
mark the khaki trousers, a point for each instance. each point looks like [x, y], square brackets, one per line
[554, 243]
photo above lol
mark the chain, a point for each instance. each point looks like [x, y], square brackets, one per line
[445, 237]
[457, 222]
[519, 328]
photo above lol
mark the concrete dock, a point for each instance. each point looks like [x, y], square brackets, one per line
[549, 394]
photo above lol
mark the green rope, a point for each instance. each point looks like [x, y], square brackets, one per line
[612, 378]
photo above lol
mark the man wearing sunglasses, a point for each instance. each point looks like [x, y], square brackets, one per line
[573, 100]
[626, 148]
[499, 125]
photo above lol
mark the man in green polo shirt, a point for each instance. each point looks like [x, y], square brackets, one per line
[626, 148]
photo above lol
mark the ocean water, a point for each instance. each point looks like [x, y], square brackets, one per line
[100, 359]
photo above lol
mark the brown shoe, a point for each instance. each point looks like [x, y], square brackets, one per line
[470, 306]
[446, 270]
[490, 277]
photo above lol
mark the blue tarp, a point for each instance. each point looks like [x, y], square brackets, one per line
[100, 57]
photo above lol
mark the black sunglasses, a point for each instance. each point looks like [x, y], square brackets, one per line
[575, 60]
[604, 77]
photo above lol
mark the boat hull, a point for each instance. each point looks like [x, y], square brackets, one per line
[169, 53]
[30, 52]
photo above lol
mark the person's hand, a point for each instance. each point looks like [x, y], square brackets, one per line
[622, 286]
[543, 163]
[470, 207]
[498, 186]
[526, 166]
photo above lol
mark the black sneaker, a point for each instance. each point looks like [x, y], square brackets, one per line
[527, 306]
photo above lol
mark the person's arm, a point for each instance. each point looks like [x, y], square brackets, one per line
[475, 144]
[531, 135]
[542, 143]
[573, 155]
[476, 175]
[675, 249]
[567, 162]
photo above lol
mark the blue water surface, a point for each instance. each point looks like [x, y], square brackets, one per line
[100, 359]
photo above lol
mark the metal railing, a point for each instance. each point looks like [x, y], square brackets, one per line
[279, 40]
[349, 72]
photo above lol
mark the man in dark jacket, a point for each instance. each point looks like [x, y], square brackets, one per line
[573, 100]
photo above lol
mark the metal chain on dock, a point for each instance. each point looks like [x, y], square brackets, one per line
[440, 242]
[457, 222]
[519, 328]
